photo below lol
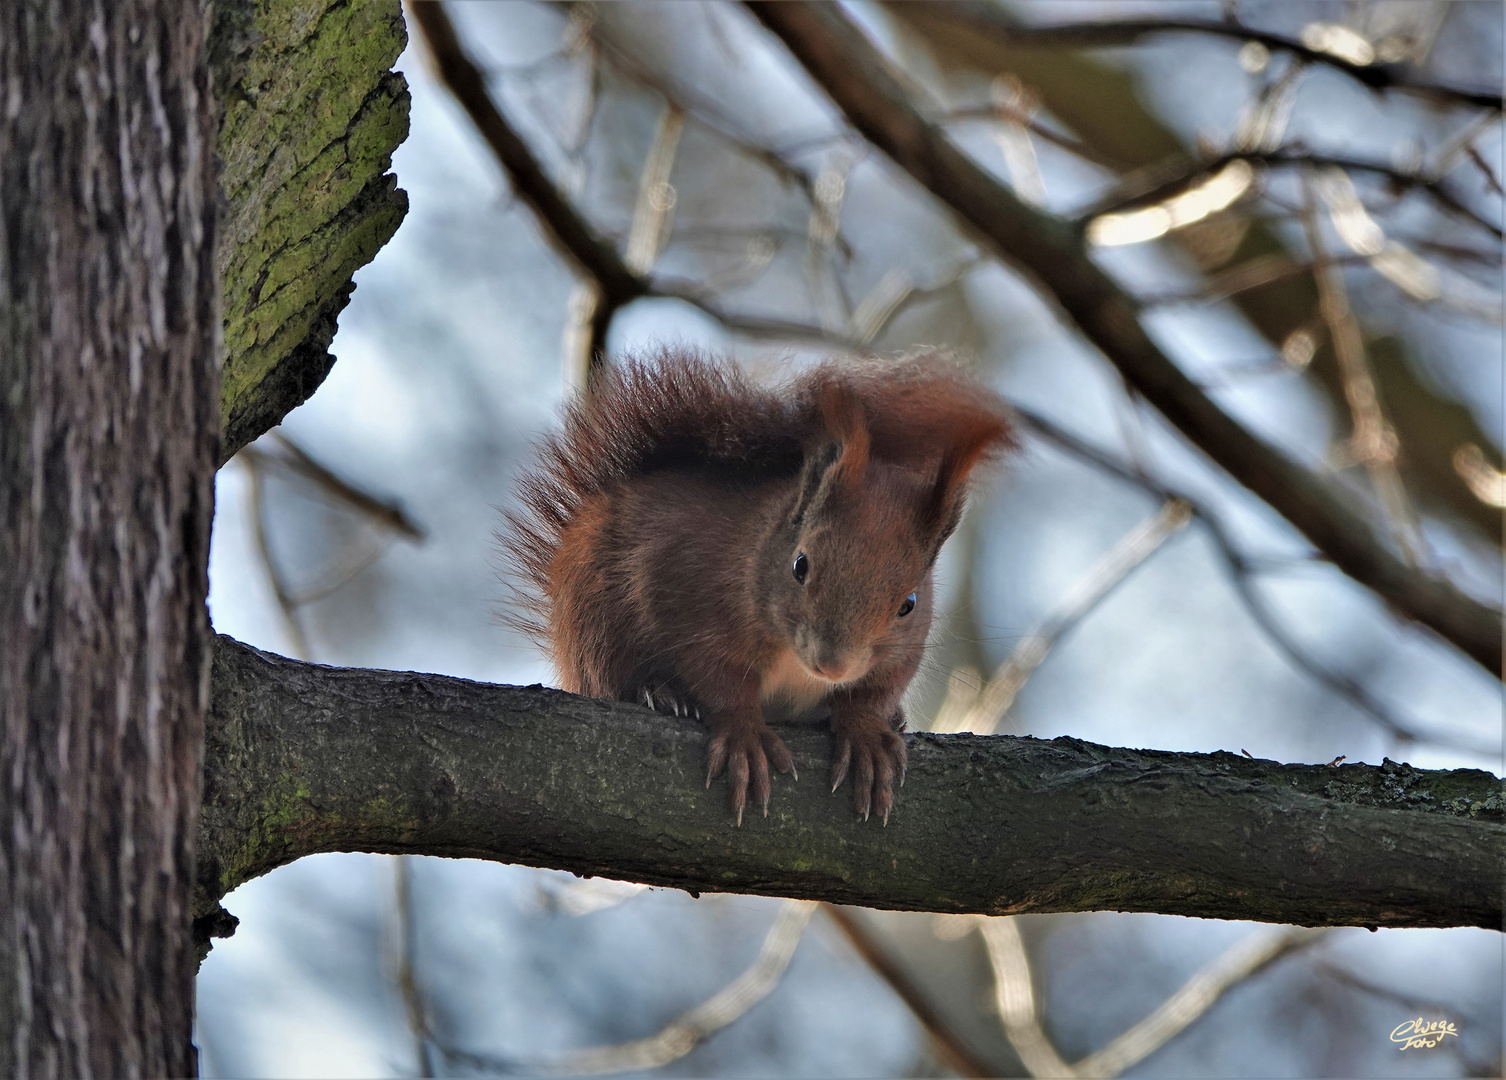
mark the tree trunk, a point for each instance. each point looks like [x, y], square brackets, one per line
[108, 421]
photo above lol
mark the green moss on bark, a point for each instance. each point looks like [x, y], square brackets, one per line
[311, 115]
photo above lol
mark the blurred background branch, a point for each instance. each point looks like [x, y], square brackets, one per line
[1322, 43]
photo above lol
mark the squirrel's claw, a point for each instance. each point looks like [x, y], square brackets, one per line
[875, 759]
[839, 767]
[716, 758]
[745, 753]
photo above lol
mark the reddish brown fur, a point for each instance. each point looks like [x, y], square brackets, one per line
[659, 531]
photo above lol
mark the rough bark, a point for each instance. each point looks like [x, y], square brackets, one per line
[108, 396]
[312, 114]
[304, 759]
[1050, 251]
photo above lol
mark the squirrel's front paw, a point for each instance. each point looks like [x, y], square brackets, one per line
[745, 751]
[875, 756]
[669, 698]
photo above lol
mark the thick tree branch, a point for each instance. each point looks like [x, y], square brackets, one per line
[989, 19]
[857, 77]
[303, 759]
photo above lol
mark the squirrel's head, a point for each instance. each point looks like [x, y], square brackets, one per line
[846, 574]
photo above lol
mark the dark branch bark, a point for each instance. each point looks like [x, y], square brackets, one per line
[303, 759]
[987, 18]
[859, 80]
[108, 394]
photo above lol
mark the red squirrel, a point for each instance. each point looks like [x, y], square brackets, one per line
[706, 546]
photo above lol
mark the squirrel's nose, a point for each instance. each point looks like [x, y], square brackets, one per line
[833, 665]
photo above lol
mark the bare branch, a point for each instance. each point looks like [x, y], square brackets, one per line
[407, 977]
[990, 19]
[1373, 442]
[287, 604]
[388, 513]
[1195, 997]
[653, 214]
[995, 112]
[859, 79]
[947, 1043]
[686, 1031]
[983, 714]
[581, 246]
[1241, 569]
[1014, 998]
[1162, 181]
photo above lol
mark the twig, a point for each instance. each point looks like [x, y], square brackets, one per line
[387, 513]
[997, 111]
[1195, 997]
[1374, 441]
[1328, 969]
[844, 63]
[1162, 181]
[1241, 567]
[1014, 998]
[686, 1031]
[948, 1045]
[1017, 1009]
[997, 24]
[286, 604]
[407, 981]
[1480, 163]
[1017, 107]
[584, 340]
[895, 292]
[983, 714]
[1257, 273]
[653, 213]
[824, 225]
[580, 245]
[706, 115]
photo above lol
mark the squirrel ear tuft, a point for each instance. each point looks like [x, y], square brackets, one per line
[942, 510]
[845, 423]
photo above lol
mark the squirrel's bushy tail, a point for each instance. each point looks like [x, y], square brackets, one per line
[671, 408]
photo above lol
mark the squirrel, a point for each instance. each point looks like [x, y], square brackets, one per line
[705, 546]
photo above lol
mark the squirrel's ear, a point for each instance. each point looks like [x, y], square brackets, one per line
[942, 510]
[840, 460]
[842, 416]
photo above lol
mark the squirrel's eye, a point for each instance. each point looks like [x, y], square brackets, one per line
[801, 568]
[908, 606]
